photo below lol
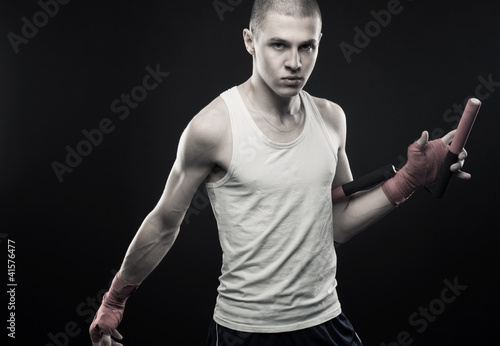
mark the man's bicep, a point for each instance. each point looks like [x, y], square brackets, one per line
[179, 190]
[191, 167]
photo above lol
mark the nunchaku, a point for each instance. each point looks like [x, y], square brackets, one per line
[438, 189]
[463, 130]
[364, 182]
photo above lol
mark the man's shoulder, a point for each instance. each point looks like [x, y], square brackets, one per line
[215, 112]
[211, 123]
[331, 112]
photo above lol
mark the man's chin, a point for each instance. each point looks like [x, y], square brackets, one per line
[285, 91]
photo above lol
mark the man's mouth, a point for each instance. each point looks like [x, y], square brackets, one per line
[292, 80]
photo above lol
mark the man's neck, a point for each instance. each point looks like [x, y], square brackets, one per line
[269, 102]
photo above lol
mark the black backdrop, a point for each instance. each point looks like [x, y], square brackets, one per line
[61, 76]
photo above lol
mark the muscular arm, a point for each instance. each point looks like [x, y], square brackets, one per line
[195, 160]
[359, 211]
[199, 151]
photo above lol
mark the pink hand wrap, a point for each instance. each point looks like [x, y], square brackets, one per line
[110, 313]
[421, 170]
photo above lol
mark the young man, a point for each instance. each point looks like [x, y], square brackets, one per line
[270, 154]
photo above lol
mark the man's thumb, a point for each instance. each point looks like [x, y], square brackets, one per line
[424, 138]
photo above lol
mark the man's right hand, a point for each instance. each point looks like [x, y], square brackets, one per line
[110, 314]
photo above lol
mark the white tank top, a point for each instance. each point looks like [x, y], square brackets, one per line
[274, 213]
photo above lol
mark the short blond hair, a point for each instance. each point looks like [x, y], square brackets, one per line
[295, 8]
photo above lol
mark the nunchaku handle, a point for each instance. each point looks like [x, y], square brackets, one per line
[456, 146]
[364, 182]
[438, 189]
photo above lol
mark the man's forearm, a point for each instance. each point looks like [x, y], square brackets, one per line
[147, 249]
[359, 211]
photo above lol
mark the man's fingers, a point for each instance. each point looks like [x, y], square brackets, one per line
[448, 137]
[106, 340]
[116, 334]
[463, 155]
[96, 333]
[456, 166]
[462, 175]
[424, 138]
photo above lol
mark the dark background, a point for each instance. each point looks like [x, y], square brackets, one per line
[71, 235]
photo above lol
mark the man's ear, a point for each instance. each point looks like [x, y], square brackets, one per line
[320, 36]
[248, 38]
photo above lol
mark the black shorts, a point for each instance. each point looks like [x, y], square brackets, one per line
[336, 332]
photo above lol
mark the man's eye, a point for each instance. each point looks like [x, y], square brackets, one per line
[278, 45]
[307, 47]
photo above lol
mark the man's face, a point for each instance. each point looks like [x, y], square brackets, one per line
[285, 52]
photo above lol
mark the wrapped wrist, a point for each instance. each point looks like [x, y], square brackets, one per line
[120, 291]
[110, 313]
[397, 189]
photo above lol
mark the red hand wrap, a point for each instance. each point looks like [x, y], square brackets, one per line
[421, 170]
[110, 313]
